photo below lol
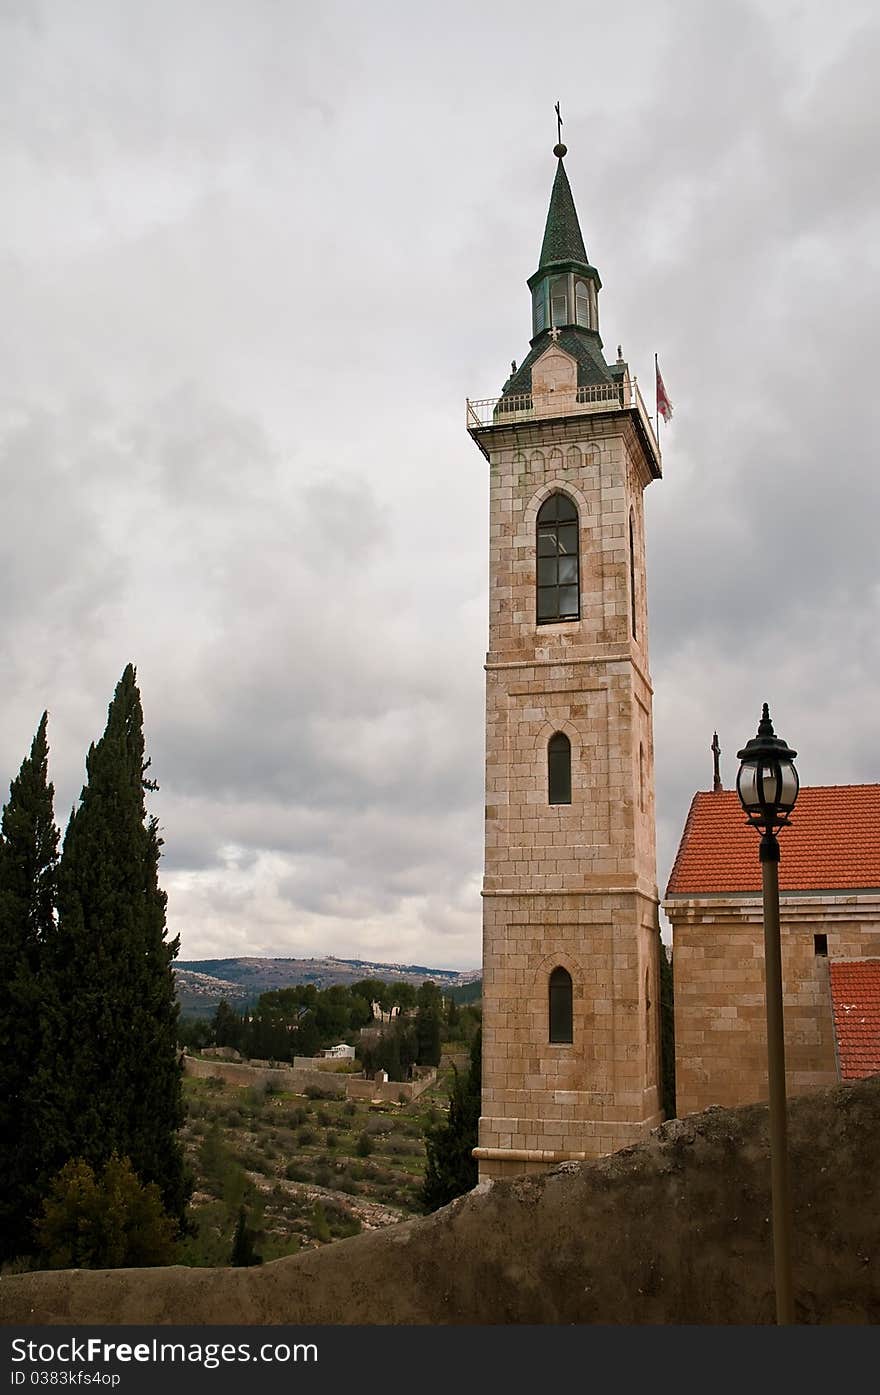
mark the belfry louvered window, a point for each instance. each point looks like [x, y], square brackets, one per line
[561, 1015]
[558, 569]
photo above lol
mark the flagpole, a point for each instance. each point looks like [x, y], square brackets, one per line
[657, 399]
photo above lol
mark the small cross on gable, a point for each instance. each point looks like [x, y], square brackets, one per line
[554, 333]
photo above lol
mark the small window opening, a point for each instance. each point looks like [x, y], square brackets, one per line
[820, 945]
[559, 769]
[561, 1016]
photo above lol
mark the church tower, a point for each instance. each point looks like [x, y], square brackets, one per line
[571, 1050]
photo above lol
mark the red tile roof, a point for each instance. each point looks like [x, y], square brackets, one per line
[833, 843]
[855, 1001]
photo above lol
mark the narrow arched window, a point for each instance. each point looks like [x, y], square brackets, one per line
[558, 566]
[632, 573]
[559, 769]
[641, 776]
[561, 1016]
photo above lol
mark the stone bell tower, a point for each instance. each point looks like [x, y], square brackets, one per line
[571, 1051]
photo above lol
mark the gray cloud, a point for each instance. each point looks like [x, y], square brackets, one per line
[257, 257]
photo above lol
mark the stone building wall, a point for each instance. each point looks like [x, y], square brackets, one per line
[720, 1013]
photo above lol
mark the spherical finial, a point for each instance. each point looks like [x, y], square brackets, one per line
[560, 150]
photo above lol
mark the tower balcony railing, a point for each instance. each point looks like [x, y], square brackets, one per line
[521, 408]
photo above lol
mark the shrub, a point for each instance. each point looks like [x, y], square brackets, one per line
[314, 1092]
[379, 1126]
[104, 1220]
[364, 1146]
[332, 1138]
[305, 1137]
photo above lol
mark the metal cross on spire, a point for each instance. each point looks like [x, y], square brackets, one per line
[559, 149]
[716, 752]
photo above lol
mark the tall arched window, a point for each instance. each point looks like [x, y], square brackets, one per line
[632, 573]
[559, 769]
[561, 1015]
[558, 570]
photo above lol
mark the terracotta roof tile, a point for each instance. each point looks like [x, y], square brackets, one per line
[833, 843]
[855, 1003]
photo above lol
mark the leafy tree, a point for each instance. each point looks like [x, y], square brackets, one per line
[361, 1012]
[404, 995]
[104, 1219]
[374, 990]
[28, 870]
[451, 1170]
[452, 1015]
[110, 1075]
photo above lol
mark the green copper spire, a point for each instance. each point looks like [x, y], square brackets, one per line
[565, 289]
[562, 235]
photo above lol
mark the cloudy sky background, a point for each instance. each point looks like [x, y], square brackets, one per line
[253, 258]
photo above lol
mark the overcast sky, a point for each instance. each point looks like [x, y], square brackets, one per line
[254, 256]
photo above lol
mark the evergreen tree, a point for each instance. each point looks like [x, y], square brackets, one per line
[244, 1251]
[28, 867]
[451, 1170]
[111, 1072]
[667, 1033]
[430, 1006]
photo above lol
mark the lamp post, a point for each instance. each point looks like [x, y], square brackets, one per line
[767, 785]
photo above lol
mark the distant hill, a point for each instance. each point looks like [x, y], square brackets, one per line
[203, 983]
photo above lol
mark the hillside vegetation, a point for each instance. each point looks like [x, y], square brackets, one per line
[305, 1169]
[673, 1230]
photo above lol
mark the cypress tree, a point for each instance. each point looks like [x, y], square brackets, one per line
[28, 867]
[667, 1033]
[430, 1003]
[111, 1078]
[451, 1170]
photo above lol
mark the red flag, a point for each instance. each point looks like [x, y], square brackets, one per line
[664, 406]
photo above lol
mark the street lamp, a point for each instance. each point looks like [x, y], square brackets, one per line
[767, 785]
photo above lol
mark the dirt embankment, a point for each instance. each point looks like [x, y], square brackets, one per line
[675, 1230]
